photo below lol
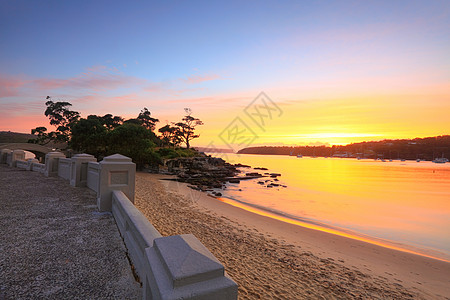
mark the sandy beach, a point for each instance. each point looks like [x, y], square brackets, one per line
[269, 258]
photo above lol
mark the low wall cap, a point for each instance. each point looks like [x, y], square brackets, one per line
[187, 260]
[117, 158]
[55, 152]
[83, 155]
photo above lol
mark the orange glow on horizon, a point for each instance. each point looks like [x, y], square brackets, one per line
[338, 121]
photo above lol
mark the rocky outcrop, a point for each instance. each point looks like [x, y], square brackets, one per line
[203, 172]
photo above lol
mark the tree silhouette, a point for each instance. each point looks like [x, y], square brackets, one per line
[146, 120]
[61, 117]
[111, 122]
[187, 127]
[169, 135]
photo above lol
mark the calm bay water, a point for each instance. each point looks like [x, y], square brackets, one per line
[406, 204]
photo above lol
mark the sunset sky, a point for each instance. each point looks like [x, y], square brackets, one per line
[336, 71]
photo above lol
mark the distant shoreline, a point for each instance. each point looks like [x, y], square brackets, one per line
[427, 149]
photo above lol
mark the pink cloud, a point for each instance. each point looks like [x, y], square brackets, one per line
[94, 79]
[209, 100]
[125, 98]
[193, 79]
[17, 108]
[10, 85]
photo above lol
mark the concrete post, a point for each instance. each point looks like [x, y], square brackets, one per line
[180, 267]
[78, 169]
[30, 162]
[4, 156]
[117, 172]
[15, 156]
[51, 163]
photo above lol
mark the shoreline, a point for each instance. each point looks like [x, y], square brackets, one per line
[338, 266]
[316, 225]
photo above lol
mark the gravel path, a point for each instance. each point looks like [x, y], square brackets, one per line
[54, 244]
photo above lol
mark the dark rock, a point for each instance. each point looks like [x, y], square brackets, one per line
[234, 181]
[253, 174]
[203, 172]
[260, 168]
[241, 166]
[260, 182]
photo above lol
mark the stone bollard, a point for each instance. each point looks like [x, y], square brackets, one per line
[4, 156]
[180, 267]
[78, 169]
[15, 156]
[51, 163]
[30, 162]
[117, 172]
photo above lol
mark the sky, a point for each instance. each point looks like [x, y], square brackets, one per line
[255, 72]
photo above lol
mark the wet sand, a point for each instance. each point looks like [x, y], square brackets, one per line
[269, 258]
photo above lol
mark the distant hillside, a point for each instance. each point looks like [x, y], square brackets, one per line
[7, 137]
[419, 148]
[14, 137]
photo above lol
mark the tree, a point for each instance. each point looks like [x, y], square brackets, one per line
[169, 135]
[42, 136]
[90, 136]
[61, 117]
[111, 122]
[146, 120]
[135, 142]
[187, 127]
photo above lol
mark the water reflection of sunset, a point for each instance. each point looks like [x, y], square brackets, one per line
[404, 202]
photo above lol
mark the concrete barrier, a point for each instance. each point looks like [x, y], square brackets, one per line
[21, 164]
[52, 162]
[37, 167]
[137, 232]
[174, 267]
[93, 175]
[14, 156]
[4, 156]
[117, 172]
[64, 168]
[30, 162]
[79, 169]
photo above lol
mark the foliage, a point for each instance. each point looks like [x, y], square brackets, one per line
[108, 134]
[146, 120]
[110, 121]
[61, 117]
[186, 128]
[133, 141]
[90, 136]
[170, 136]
